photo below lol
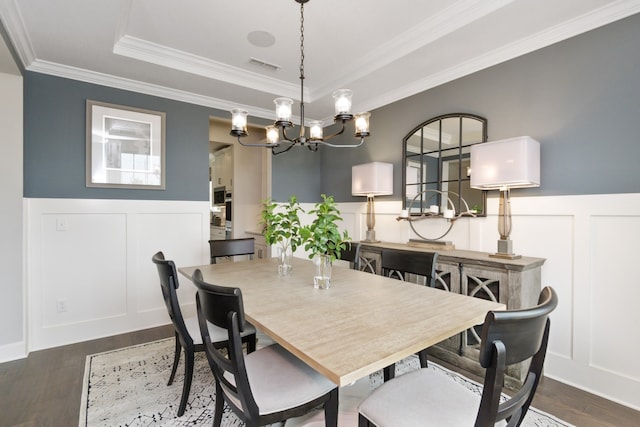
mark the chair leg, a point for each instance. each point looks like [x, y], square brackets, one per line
[389, 372]
[422, 355]
[217, 414]
[188, 376]
[251, 343]
[176, 360]
[331, 409]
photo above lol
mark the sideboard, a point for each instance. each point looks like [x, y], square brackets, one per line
[514, 282]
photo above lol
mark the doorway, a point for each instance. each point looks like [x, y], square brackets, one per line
[243, 174]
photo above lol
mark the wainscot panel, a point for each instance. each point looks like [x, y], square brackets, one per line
[89, 265]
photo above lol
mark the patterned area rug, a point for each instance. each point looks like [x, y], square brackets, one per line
[128, 387]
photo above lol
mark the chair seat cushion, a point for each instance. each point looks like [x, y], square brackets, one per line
[422, 398]
[216, 333]
[279, 380]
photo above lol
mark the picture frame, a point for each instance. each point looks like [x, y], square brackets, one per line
[125, 147]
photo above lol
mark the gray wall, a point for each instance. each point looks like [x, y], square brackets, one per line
[297, 172]
[54, 141]
[580, 98]
[54, 146]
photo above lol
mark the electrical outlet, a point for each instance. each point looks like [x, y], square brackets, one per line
[62, 305]
[61, 224]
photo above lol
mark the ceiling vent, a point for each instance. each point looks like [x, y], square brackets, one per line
[264, 64]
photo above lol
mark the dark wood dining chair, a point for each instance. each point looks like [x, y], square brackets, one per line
[508, 337]
[352, 255]
[187, 332]
[231, 247]
[397, 264]
[267, 386]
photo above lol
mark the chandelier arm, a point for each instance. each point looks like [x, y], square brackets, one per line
[275, 153]
[341, 131]
[342, 145]
[286, 138]
[251, 144]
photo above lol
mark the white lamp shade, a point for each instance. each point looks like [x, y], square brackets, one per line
[507, 163]
[372, 179]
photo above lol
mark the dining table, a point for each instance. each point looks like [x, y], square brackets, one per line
[361, 324]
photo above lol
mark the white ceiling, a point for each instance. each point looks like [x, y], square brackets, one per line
[198, 50]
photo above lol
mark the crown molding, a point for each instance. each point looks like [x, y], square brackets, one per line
[165, 56]
[584, 23]
[14, 25]
[102, 79]
[452, 18]
[160, 55]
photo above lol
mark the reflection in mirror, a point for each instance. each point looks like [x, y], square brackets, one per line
[437, 157]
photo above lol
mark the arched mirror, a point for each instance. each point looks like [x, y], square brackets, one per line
[436, 157]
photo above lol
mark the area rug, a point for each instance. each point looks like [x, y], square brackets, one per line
[128, 387]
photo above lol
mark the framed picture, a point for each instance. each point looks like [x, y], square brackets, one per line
[125, 147]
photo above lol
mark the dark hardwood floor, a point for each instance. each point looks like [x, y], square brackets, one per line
[44, 389]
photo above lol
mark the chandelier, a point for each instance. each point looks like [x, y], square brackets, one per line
[276, 134]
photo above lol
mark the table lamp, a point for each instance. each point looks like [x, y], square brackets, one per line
[371, 179]
[503, 165]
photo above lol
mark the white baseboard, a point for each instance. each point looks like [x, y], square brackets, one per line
[13, 351]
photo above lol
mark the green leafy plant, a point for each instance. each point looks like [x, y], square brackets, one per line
[282, 224]
[322, 236]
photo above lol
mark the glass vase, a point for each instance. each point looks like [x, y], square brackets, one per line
[284, 257]
[322, 277]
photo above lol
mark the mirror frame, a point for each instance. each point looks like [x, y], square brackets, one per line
[440, 150]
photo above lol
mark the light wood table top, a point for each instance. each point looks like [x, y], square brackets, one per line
[360, 325]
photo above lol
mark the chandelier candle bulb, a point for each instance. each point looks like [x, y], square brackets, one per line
[273, 134]
[315, 131]
[239, 120]
[434, 209]
[448, 213]
[342, 99]
[283, 109]
[362, 123]
[404, 213]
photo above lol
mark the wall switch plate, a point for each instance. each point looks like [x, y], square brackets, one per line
[62, 305]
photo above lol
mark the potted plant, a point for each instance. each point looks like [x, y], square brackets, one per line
[281, 225]
[323, 239]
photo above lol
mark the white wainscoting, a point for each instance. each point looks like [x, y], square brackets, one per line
[94, 258]
[591, 248]
[101, 265]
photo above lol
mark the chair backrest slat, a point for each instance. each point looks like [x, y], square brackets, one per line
[419, 263]
[521, 331]
[169, 283]
[352, 255]
[231, 247]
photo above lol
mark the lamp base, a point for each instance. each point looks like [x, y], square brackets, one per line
[505, 250]
[371, 237]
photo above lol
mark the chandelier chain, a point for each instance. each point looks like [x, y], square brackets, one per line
[301, 41]
[302, 130]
